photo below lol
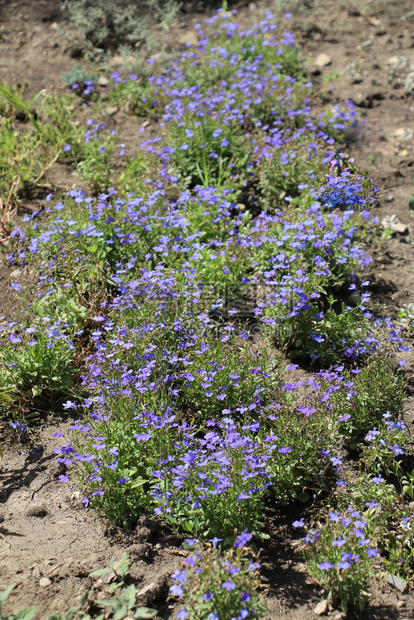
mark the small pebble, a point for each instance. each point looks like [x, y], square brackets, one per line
[322, 60]
[45, 582]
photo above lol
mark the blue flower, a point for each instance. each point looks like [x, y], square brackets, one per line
[228, 585]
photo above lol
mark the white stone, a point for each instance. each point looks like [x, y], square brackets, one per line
[321, 608]
[188, 38]
[398, 62]
[397, 582]
[322, 60]
[45, 582]
[403, 133]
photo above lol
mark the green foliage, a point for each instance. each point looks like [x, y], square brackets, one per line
[78, 75]
[136, 96]
[26, 156]
[96, 165]
[338, 560]
[25, 614]
[133, 176]
[283, 176]
[406, 317]
[389, 521]
[54, 134]
[36, 363]
[366, 407]
[210, 154]
[104, 26]
[216, 584]
[109, 25]
[124, 603]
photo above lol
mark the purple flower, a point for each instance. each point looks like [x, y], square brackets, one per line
[242, 540]
[214, 541]
[191, 542]
[339, 542]
[69, 405]
[176, 591]
[228, 585]
[325, 565]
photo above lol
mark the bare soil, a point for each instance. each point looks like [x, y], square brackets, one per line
[44, 530]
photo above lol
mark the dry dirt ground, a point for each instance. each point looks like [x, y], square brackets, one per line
[48, 543]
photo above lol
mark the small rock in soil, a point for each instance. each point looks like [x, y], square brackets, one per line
[403, 133]
[396, 582]
[111, 111]
[353, 299]
[321, 608]
[103, 81]
[322, 60]
[16, 273]
[157, 590]
[188, 38]
[391, 222]
[397, 62]
[45, 582]
[374, 21]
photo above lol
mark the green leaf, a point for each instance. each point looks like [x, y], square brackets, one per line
[100, 572]
[68, 615]
[115, 585]
[84, 598]
[137, 483]
[22, 105]
[129, 596]
[26, 614]
[411, 203]
[4, 595]
[144, 612]
[121, 604]
[123, 566]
